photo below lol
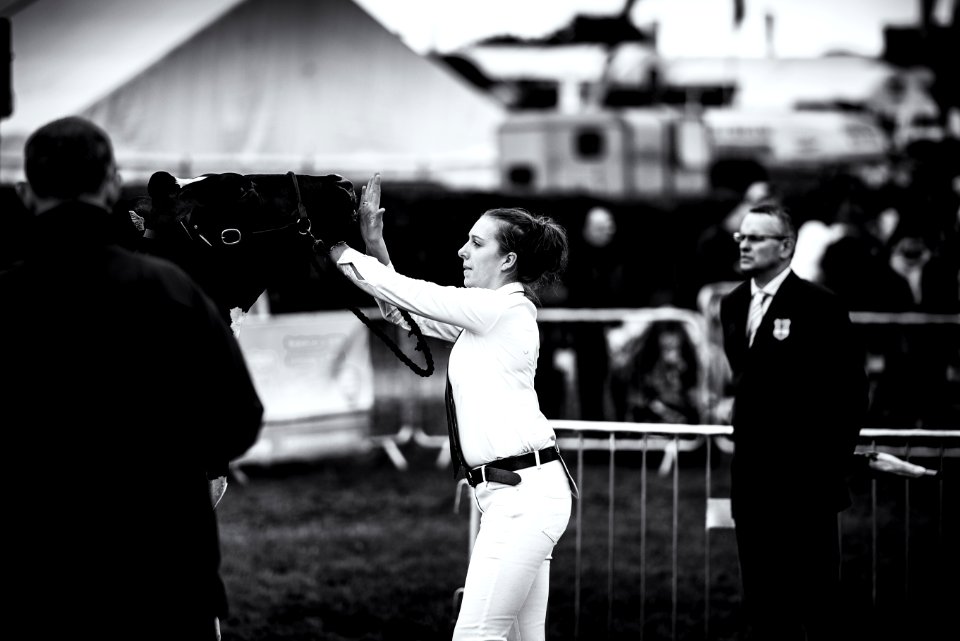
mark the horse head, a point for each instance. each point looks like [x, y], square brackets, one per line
[238, 234]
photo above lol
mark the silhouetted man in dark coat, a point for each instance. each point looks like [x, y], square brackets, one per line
[124, 392]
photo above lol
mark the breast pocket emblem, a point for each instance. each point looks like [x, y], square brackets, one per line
[781, 328]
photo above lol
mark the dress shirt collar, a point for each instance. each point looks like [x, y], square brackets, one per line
[511, 288]
[772, 287]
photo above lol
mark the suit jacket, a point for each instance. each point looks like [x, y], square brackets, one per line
[800, 397]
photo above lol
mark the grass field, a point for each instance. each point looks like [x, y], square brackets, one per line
[354, 549]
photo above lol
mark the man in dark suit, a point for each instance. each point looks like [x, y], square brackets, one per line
[799, 402]
[123, 393]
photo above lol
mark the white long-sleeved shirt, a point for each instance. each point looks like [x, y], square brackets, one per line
[492, 363]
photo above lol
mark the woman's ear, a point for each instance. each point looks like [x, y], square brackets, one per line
[509, 262]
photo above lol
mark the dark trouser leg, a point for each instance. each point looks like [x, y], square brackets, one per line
[788, 563]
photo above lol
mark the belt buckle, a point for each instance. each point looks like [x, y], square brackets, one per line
[471, 476]
[483, 473]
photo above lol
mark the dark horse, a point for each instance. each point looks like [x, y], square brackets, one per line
[237, 235]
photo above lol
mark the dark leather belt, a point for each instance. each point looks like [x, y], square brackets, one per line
[503, 470]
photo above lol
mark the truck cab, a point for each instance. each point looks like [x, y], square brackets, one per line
[627, 153]
[757, 143]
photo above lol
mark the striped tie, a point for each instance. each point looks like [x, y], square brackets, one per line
[756, 313]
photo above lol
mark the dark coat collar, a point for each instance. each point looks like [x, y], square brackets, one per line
[76, 225]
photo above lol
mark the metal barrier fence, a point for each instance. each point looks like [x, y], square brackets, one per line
[912, 361]
[623, 437]
[673, 439]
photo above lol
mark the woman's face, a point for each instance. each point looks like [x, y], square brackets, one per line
[483, 260]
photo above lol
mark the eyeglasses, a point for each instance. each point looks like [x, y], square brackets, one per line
[754, 238]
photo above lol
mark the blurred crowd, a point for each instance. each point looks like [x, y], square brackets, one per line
[884, 236]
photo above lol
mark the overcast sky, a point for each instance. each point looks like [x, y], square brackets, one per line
[112, 40]
[687, 28]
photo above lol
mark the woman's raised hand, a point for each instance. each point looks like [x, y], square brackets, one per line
[371, 214]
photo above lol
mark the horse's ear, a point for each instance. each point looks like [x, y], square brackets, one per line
[162, 185]
[346, 187]
[349, 193]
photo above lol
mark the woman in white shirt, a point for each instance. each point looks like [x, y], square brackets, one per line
[509, 452]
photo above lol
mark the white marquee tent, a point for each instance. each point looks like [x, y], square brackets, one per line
[252, 86]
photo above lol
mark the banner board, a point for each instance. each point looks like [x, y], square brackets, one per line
[315, 378]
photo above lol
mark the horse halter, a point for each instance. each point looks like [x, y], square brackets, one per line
[320, 253]
[230, 236]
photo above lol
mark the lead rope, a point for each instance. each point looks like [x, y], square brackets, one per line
[319, 249]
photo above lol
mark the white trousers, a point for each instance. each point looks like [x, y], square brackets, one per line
[508, 579]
